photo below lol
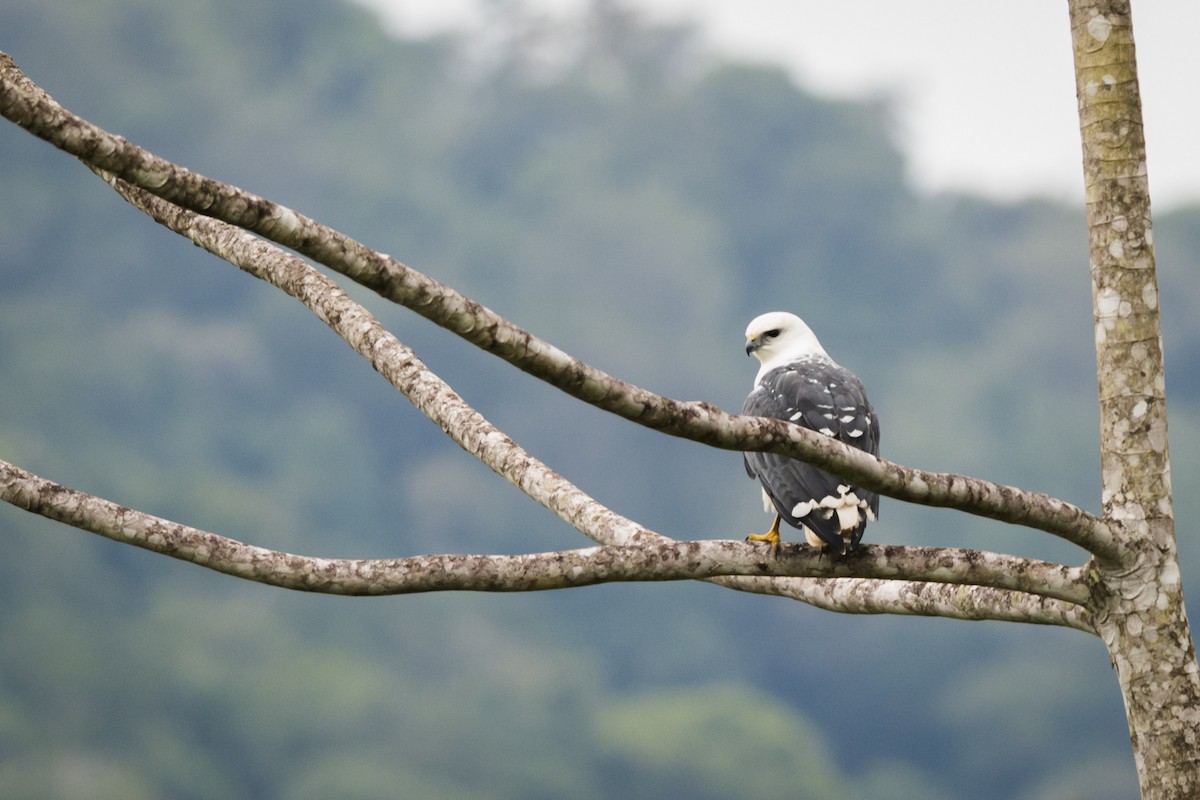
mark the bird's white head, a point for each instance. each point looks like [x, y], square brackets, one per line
[778, 338]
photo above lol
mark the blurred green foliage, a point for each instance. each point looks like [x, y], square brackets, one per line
[632, 199]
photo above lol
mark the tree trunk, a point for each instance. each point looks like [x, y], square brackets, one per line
[1138, 603]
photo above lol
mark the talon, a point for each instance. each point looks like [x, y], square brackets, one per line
[771, 536]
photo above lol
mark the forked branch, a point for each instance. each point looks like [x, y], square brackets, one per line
[1057, 591]
[22, 102]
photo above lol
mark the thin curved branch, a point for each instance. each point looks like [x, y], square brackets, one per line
[916, 598]
[950, 566]
[25, 104]
[802, 573]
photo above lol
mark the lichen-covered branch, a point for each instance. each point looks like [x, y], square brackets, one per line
[24, 103]
[655, 561]
[926, 599]
[800, 572]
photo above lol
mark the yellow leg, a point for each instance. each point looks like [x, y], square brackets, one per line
[771, 536]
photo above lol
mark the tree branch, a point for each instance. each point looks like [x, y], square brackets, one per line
[22, 102]
[927, 599]
[800, 572]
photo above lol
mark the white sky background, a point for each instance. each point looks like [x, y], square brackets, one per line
[986, 89]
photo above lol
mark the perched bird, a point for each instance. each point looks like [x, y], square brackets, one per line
[799, 382]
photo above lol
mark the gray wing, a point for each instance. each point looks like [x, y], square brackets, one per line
[824, 397]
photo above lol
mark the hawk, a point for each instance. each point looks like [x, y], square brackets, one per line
[800, 383]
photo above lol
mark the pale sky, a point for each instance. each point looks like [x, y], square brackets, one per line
[987, 93]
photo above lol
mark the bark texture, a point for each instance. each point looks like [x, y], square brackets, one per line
[1139, 610]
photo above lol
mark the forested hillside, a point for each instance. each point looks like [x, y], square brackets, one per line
[634, 200]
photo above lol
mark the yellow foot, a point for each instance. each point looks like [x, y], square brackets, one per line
[771, 536]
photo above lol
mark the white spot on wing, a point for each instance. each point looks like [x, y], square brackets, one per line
[803, 509]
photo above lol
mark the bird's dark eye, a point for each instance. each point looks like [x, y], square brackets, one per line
[771, 334]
